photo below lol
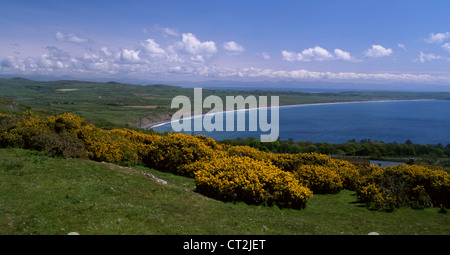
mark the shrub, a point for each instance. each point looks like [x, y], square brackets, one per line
[319, 179]
[33, 132]
[248, 151]
[64, 145]
[110, 146]
[407, 185]
[174, 151]
[252, 181]
[347, 172]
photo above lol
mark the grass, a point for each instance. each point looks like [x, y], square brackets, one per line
[45, 195]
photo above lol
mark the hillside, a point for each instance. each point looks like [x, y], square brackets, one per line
[45, 195]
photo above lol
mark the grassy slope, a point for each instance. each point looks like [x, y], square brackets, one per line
[43, 195]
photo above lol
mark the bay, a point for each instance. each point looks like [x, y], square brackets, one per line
[420, 121]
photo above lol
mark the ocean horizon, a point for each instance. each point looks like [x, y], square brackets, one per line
[419, 121]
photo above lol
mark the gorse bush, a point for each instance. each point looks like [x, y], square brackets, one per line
[49, 134]
[319, 179]
[245, 179]
[174, 151]
[70, 136]
[406, 185]
[230, 173]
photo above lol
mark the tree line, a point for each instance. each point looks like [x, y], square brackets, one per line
[365, 147]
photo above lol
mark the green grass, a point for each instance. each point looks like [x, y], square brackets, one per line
[45, 195]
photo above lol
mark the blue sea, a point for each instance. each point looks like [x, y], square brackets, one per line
[420, 121]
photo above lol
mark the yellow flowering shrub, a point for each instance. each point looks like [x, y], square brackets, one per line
[406, 185]
[245, 179]
[347, 172]
[34, 132]
[69, 135]
[319, 179]
[109, 146]
[174, 151]
[244, 150]
[140, 142]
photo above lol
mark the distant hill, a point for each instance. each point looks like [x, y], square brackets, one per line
[113, 103]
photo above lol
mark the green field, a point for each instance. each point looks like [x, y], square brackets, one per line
[45, 195]
[114, 104]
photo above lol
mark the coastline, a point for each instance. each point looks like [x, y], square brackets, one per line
[164, 122]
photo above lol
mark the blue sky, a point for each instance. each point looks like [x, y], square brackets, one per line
[331, 41]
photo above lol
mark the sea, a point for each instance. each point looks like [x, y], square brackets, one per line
[419, 121]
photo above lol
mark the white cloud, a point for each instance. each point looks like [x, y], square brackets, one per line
[289, 55]
[188, 57]
[378, 51]
[330, 76]
[438, 37]
[316, 54]
[427, 57]
[128, 55]
[69, 38]
[233, 47]
[340, 54]
[446, 46]
[191, 45]
[153, 48]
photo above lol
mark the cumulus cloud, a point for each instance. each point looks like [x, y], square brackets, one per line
[438, 37]
[401, 46]
[378, 51]
[188, 56]
[427, 57]
[344, 55]
[128, 55]
[233, 47]
[289, 55]
[316, 54]
[191, 45]
[69, 38]
[153, 48]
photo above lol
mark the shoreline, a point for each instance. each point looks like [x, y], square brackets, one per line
[164, 122]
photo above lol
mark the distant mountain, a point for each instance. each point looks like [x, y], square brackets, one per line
[307, 86]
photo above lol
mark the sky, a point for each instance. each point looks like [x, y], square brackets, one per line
[364, 41]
